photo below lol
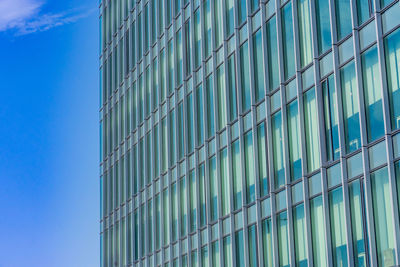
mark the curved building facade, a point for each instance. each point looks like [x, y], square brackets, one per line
[250, 133]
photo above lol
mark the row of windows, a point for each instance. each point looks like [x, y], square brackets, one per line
[155, 18]
[185, 126]
[135, 42]
[154, 225]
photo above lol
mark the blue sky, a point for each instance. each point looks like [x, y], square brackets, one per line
[49, 190]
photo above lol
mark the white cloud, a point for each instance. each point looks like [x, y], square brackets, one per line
[25, 16]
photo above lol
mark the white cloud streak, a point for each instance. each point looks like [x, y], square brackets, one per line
[24, 17]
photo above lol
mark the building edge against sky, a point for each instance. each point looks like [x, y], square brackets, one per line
[250, 133]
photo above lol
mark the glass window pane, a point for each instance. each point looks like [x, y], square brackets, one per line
[180, 129]
[189, 123]
[334, 175]
[166, 205]
[350, 107]
[307, 78]
[245, 76]
[150, 225]
[193, 201]
[338, 231]
[129, 239]
[140, 41]
[160, 16]
[199, 113]
[229, 15]
[141, 99]
[279, 170]
[213, 189]
[392, 54]
[164, 144]
[153, 20]
[224, 181]
[323, 25]
[357, 211]
[197, 39]
[179, 58]
[177, 7]
[236, 175]
[267, 242]
[141, 165]
[377, 155]
[254, 5]
[207, 28]
[354, 166]
[172, 133]
[169, 11]
[222, 120]
[288, 42]
[232, 88]
[158, 224]
[343, 18]
[364, 10]
[318, 232]
[171, 66]
[303, 10]
[155, 89]
[135, 170]
[280, 200]
[315, 184]
[146, 27]
[252, 246]
[291, 90]
[331, 119]
[202, 196]
[367, 35]
[215, 260]
[194, 262]
[297, 192]
[218, 23]
[239, 248]
[210, 107]
[300, 239]
[242, 13]
[163, 75]
[283, 241]
[311, 125]
[294, 141]
[204, 256]
[326, 64]
[183, 202]
[136, 236]
[390, 18]
[227, 251]
[372, 94]
[258, 66]
[275, 101]
[249, 167]
[262, 160]
[383, 218]
[272, 50]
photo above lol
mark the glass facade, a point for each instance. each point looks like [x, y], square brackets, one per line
[249, 133]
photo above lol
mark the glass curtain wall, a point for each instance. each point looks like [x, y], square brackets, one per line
[227, 140]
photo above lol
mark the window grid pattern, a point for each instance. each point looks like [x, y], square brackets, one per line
[249, 133]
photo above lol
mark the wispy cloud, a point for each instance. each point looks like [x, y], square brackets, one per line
[26, 16]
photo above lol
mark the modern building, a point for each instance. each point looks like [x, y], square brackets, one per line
[250, 133]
